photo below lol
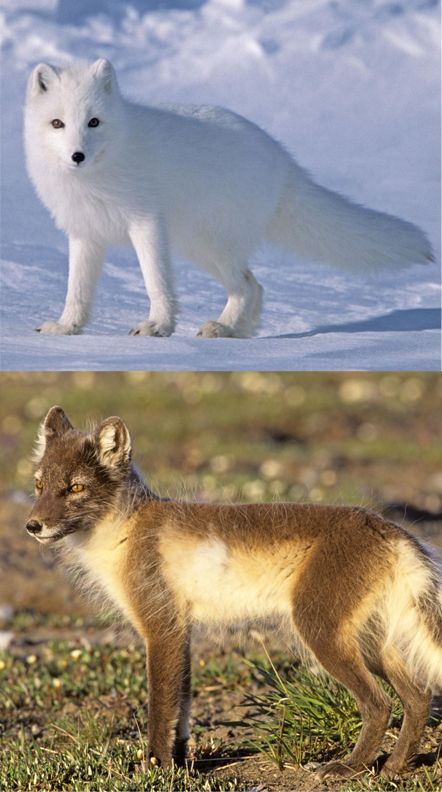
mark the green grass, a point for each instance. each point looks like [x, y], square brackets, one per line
[303, 718]
[75, 718]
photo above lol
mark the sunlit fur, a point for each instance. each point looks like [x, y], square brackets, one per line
[358, 593]
[202, 183]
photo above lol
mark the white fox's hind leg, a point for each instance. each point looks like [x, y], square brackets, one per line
[149, 239]
[242, 312]
[85, 261]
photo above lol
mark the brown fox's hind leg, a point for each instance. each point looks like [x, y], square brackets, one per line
[341, 657]
[416, 703]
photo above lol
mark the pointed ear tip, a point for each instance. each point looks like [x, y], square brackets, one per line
[102, 64]
[111, 419]
[56, 408]
[43, 66]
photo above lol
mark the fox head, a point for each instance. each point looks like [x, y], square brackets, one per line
[78, 475]
[69, 112]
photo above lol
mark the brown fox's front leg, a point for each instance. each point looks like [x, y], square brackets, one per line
[168, 669]
[182, 729]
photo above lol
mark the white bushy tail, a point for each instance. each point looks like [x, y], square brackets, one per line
[321, 225]
[412, 614]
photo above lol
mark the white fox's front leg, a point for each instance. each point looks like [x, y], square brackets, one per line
[150, 241]
[85, 260]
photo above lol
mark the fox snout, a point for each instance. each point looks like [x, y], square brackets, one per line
[78, 157]
[34, 527]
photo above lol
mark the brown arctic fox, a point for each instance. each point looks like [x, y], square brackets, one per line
[360, 594]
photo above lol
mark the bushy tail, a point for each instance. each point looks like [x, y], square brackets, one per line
[412, 614]
[323, 226]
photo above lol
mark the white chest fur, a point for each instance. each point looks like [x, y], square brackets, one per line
[101, 556]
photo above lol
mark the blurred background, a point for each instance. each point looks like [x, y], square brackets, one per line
[367, 439]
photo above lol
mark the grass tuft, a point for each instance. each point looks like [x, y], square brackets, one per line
[303, 717]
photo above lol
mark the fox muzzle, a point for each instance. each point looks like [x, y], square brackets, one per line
[34, 527]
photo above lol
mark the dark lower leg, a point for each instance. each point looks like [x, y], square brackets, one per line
[416, 705]
[182, 729]
[166, 664]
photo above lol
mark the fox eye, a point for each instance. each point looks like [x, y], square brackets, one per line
[76, 488]
[38, 485]
[57, 124]
[93, 122]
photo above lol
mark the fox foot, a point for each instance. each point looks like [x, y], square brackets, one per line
[215, 330]
[152, 328]
[58, 328]
[392, 768]
[179, 752]
[340, 770]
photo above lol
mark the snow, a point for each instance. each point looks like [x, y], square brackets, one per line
[351, 88]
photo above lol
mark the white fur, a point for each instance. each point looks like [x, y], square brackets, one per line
[406, 629]
[224, 585]
[199, 181]
[40, 444]
[100, 554]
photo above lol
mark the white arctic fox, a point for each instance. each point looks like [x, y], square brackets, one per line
[199, 181]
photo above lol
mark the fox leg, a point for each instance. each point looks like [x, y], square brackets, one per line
[182, 729]
[374, 705]
[242, 312]
[149, 239]
[85, 261]
[168, 675]
[416, 703]
[340, 656]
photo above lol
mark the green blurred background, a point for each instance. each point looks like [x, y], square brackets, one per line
[370, 439]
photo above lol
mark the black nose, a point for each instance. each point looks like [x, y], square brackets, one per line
[78, 157]
[34, 526]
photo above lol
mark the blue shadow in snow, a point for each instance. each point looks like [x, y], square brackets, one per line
[396, 321]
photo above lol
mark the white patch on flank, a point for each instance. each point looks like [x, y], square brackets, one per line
[229, 585]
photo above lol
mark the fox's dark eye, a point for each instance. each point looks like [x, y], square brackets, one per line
[38, 486]
[57, 124]
[93, 122]
[76, 488]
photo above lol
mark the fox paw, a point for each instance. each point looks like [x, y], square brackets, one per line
[391, 769]
[339, 770]
[215, 330]
[151, 328]
[58, 328]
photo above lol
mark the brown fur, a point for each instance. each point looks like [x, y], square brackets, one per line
[165, 564]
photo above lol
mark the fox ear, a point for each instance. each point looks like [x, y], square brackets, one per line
[41, 78]
[54, 425]
[103, 70]
[113, 442]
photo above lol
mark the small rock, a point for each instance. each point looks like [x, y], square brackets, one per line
[6, 638]
[6, 612]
